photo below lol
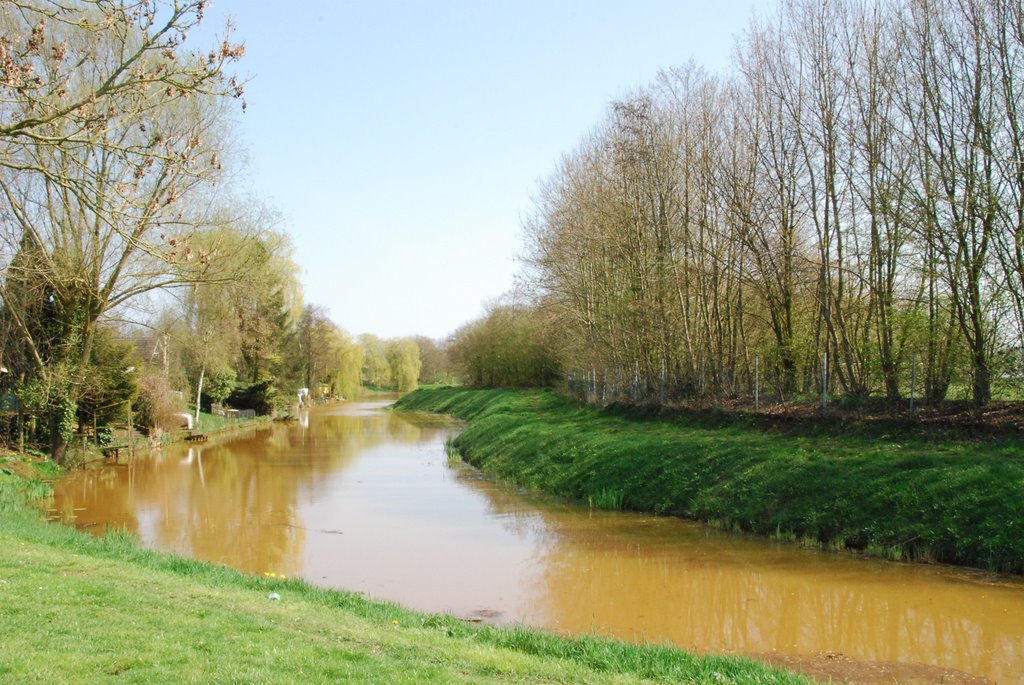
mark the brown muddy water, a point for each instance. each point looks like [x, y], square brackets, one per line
[353, 496]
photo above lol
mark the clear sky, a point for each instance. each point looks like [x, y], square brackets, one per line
[403, 141]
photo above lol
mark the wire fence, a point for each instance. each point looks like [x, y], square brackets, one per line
[229, 413]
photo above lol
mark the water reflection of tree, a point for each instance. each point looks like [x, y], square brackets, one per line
[237, 499]
[237, 508]
[513, 509]
[95, 500]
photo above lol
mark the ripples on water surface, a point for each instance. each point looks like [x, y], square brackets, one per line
[356, 497]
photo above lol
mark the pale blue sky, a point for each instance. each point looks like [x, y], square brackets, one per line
[403, 141]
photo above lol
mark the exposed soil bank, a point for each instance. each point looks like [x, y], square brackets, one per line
[902, 495]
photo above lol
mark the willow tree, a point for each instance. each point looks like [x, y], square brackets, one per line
[403, 356]
[327, 354]
[346, 365]
[376, 371]
[111, 131]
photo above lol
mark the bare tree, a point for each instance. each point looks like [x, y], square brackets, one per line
[1005, 40]
[954, 123]
[765, 203]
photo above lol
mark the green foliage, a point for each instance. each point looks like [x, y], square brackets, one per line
[245, 319]
[606, 498]
[326, 355]
[265, 324]
[376, 369]
[345, 379]
[39, 394]
[66, 419]
[404, 361]
[947, 501]
[104, 436]
[511, 346]
[50, 396]
[110, 380]
[262, 397]
[434, 363]
[390, 364]
[220, 383]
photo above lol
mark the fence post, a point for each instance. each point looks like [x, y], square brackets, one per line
[661, 395]
[757, 383]
[131, 433]
[636, 381]
[913, 380]
[824, 383]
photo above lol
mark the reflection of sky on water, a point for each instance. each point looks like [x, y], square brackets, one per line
[355, 497]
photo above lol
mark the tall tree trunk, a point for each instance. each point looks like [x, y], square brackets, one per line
[199, 390]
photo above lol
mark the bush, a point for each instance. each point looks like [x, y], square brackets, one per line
[157, 405]
[220, 383]
[218, 387]
[262, 397]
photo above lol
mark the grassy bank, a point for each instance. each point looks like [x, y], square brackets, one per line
[904, 497]
[89, 610]
[211, 424]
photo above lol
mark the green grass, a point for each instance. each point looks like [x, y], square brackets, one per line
[82, 609]
[607, 498]
[211, 423]
[892, 494]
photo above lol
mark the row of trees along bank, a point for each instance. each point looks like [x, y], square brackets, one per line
[844, 207]
[117, 204]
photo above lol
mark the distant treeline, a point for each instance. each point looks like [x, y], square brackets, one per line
[843, 209]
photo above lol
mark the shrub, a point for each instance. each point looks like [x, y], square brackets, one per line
[157, 404]
[262, 397]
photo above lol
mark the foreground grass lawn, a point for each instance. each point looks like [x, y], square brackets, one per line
[79, 609]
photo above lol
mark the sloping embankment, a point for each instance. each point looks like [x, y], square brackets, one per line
[906, 498]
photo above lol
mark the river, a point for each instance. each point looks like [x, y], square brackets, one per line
[356, 497]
